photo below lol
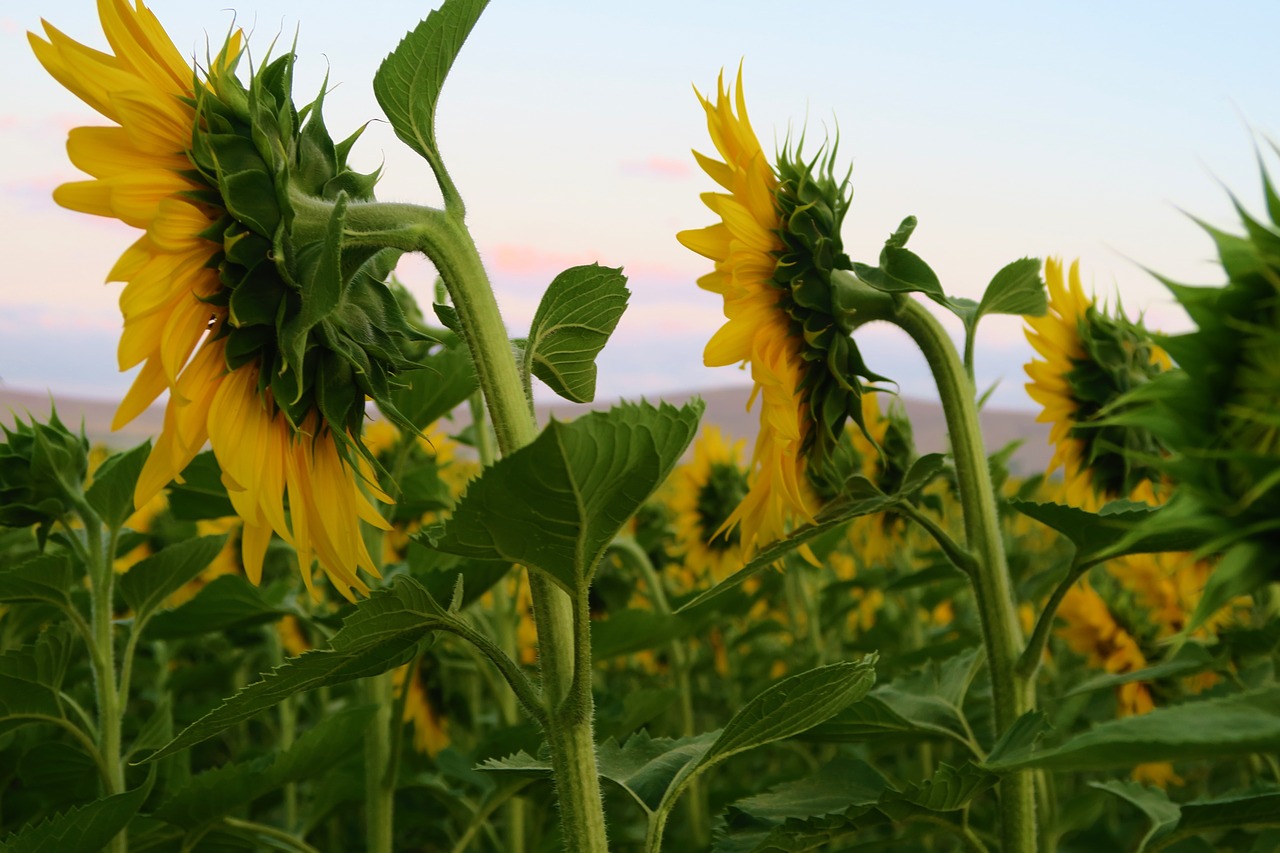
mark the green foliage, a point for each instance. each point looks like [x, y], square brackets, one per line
[85, 829]
[146, 585]
[843, 801]
[224, 603]
[556, 504]
[445, 379]
[1119, 528]
[111, 493]
[1170, 822]
[409, 81]
[201, 493]
[42, 469]
[381, 634]
[1215, 728]
[573, 322]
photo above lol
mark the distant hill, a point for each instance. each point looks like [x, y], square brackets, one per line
[726, 407]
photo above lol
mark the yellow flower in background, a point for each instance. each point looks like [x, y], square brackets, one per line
[704, 493]
[1092, 631]
[430, 729]
[180, 320]
[744, 246]
[1090, 360]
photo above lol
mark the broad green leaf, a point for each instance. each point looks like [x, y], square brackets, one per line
[786, 709]
[1213, 729]
[381, 633]
[44, 579]
[556, 504]
[1110, 532]
[214, 793]
[1162, 812]
[629, 631]
[24, 700]
[1187, 660]
[148, 583]
[835, 515]
[63, 772]
[445, 381]
[1016, 289]
[111, 494]
[225, 602]
[574, 320]
[408, 83]
[1253, 810]
[843, 799]
[794, 705]
[87, 829]
[438, 573]
[922, 472]
[200, 494]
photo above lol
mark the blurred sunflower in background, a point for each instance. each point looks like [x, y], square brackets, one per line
[704, 493]
[224, 301]
[775, 248]
[1091, 358]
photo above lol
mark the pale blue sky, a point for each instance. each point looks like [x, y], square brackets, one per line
[1075, 128]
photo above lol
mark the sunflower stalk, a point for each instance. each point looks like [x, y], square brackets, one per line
[111, 703]
[993, 588]
[563, 622]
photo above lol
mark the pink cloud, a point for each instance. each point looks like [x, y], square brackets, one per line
[515, 259]
[9, 26]
[657, 167]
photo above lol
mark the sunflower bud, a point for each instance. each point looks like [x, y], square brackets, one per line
[42, 471]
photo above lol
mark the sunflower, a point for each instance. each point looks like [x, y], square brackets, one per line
[1091, 630]
[775, 249]
[220, 297]
[1090, 360]
[704, 493]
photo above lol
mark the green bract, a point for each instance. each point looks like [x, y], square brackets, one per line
[811, 207]
[305, 300]
[1219, 414]
[42, 469]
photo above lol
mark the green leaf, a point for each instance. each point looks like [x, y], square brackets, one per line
[214, 793]
[223, 603]
[1016, 289]
[146, 585]
[1241, 570]
[844, 798]
[87, 829]
[1162, 813]
[111, 494]
[1204, 729]
[556, 504]
[1244, 811]
[1113, 531]
[201, 493]
[629, 631]
[446, 380]
[408, 83]
[786, 709]
[1187, 660]
[834, 515]
[381, 633]
[43, 579]
[926, 704]
[23, 700]
[574, 320]
[921, 473]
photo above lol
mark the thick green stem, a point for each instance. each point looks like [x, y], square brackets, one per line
[102, 578]
[567, 699]
[993, 588]
[380, 785]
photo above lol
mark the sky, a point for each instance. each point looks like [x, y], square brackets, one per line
[1084, 130]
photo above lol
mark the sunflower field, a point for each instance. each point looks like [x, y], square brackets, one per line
[355, 597]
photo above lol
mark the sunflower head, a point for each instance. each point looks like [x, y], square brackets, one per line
[1092, 359]
[775, 250]
[315, 316]
[706, 490]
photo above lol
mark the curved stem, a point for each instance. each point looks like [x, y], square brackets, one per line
[291, 842]
[1029, 662]
[992, 586]
[443, 238]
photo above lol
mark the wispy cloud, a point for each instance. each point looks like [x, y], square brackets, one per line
[667, 168]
